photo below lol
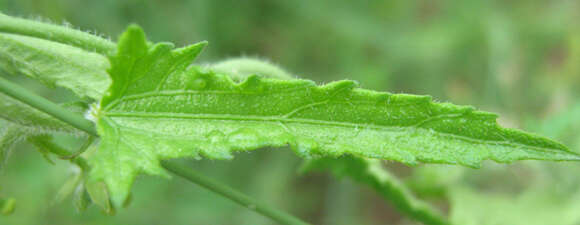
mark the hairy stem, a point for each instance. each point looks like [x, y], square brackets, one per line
[61, 34]
[87, 126]
[44, 105]
[231, 194]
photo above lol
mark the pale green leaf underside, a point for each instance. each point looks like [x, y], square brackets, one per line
[160, 107]
[55, 64]
[371, 172]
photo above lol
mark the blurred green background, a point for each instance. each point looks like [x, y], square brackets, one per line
[520, 59]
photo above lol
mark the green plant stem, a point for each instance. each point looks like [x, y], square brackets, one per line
[240, 198]
[61, 34]
[42, 104]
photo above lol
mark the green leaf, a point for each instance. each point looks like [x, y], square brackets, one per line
[55, 64]
[159, 107]
[370, 172]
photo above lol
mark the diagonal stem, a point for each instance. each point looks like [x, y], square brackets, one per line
[238, 197]
[44, 105]
[78, 121]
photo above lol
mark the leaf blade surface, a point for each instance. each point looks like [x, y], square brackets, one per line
[160, 107]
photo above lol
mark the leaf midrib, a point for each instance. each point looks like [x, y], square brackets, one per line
[275, 119]
[174, 93]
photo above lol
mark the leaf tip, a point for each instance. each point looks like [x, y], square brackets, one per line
[191, 51]
[201, 44]
[133, 40]
[134, 29]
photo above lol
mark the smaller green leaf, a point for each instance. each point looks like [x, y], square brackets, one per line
[68, 188]
[99, 195]
[81, 198]
[371, 172]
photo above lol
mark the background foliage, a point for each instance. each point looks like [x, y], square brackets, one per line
[516, 58]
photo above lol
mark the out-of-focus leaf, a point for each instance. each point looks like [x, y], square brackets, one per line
[7, 206]
[81, 198]
[537, 206]
[370, 172]
[433, 180]
[69, 187]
